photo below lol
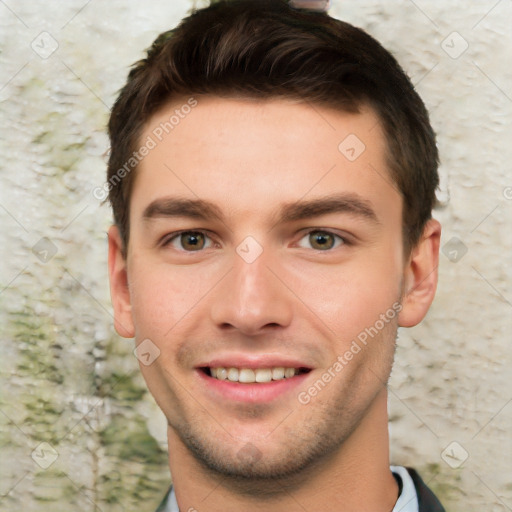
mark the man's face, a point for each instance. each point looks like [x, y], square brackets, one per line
[257, 244]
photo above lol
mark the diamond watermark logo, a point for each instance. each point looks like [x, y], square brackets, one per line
[351, 147]
[44, 250]
[249, 453]
[454, 45]
[44, 45]
[249, 249]
[454, 455]
[146, 352]
[44, 455]
[455, 249]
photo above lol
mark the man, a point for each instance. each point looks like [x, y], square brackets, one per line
[272, 176]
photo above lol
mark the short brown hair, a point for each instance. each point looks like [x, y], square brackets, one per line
[267, 49]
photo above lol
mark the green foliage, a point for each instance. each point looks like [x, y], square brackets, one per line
[129, 440]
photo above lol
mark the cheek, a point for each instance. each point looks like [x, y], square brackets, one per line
[352, 308]
[164, 296]
[351, 297]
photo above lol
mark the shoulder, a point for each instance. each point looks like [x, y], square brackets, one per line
[427, 500]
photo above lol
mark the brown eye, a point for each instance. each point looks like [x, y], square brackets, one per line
[190, 241]
[321, 240]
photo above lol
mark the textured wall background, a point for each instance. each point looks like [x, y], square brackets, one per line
[69, 382]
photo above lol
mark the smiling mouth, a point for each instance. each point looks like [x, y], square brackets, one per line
[253, 375]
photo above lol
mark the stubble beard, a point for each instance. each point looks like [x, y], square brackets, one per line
[300, 447]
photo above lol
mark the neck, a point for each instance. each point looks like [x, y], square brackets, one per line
[355, 477]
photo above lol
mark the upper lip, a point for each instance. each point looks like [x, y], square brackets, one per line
[253, 362]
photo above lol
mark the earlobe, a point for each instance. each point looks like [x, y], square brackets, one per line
[420, 276]
[119, 290]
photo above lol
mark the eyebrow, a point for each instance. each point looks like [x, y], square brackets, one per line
[290, 212]
[180, 207]
[336, 203]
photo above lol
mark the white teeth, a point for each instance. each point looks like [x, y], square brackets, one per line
[233, 374]
[222, 373]
[248, 375]
[289, 372]
[278, 373]
[263, 375]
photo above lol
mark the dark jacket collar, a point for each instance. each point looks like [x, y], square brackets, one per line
[427, 501]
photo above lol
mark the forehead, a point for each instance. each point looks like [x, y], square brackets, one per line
[252, 154]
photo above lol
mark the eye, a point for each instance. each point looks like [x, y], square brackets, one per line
[189, 241]
[321, 240]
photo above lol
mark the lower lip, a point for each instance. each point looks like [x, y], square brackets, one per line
[251, 393]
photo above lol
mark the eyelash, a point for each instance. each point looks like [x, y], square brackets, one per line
[167, 240]
[173, 236]
[344, 240]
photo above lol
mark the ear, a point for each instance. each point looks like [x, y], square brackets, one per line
[420, 276]
[119, 290]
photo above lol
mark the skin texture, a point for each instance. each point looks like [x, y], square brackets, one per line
[251, 159]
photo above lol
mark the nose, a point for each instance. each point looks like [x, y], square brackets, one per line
[252, 298]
